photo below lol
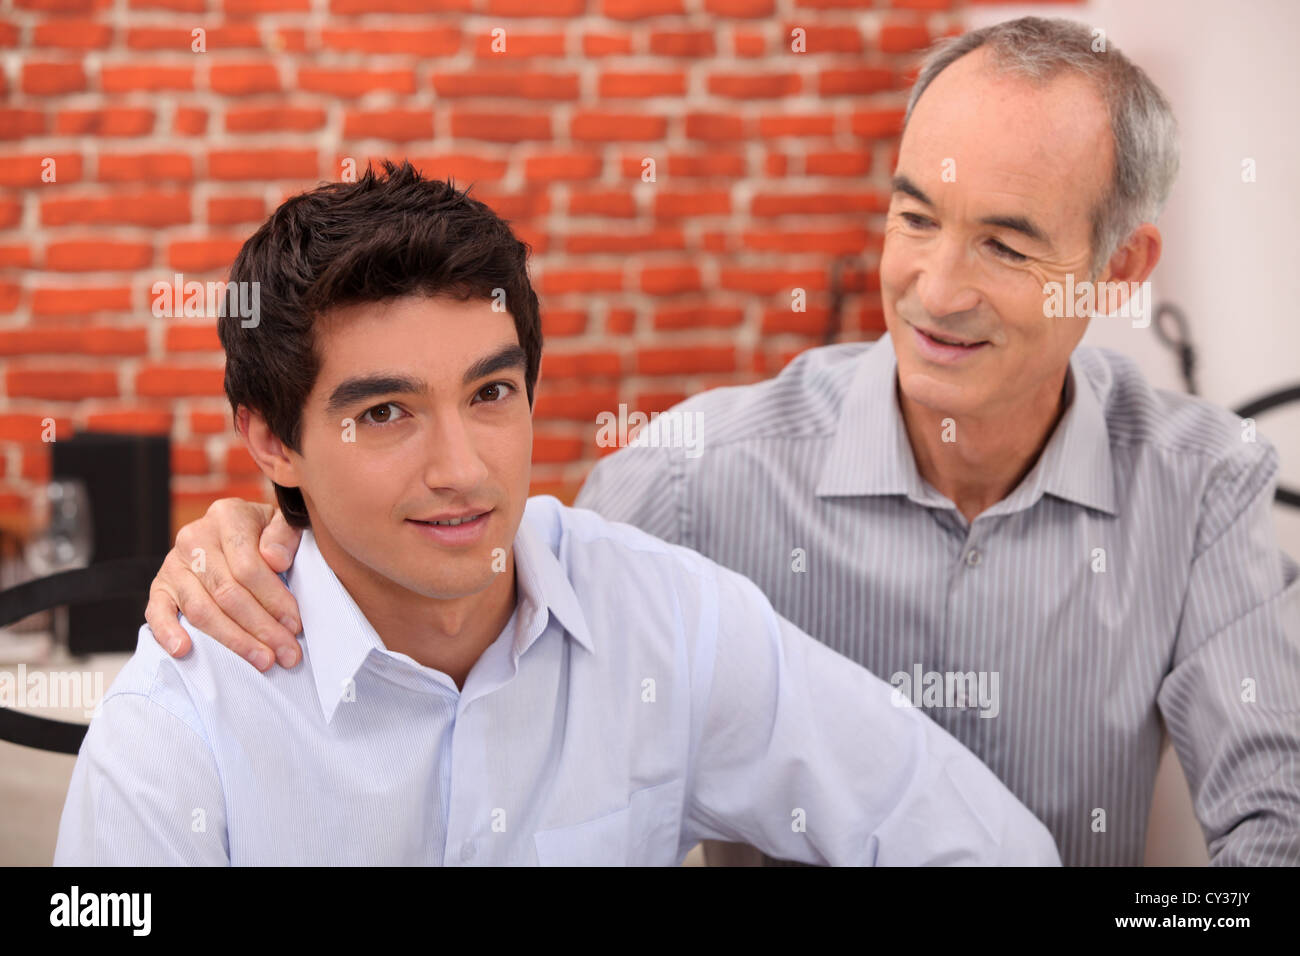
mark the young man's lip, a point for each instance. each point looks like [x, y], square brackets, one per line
[452, 517]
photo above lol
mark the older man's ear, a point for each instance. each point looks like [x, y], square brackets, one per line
[1136, 259]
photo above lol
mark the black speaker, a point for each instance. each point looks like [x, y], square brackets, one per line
[128, 481]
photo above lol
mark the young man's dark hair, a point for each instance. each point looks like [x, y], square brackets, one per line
[343, 244]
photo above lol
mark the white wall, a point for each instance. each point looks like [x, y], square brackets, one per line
[1231, 256]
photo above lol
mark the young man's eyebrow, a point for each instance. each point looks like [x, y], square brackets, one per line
[508, 356]
[353, 390]
[1020, 224]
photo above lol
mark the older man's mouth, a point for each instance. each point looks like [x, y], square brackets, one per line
[944, 347]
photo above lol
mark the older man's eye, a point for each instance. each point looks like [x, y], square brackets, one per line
[1006, 252]
[913, 220]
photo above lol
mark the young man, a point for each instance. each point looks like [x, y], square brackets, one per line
[486, 679]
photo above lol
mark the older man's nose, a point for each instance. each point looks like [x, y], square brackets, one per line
[943, 283]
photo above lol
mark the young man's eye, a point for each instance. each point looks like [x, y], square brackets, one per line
[1006, 252]
[495, 392]
[382, 414]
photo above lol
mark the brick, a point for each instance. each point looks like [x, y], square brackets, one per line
[239, 462]
[59, 383]
[692, 44]
[652, 240]
[108, 122]
[720, 127]
[770, 281]
[839, 162]
[640, 9]
[21, 123]
[95, 340]
[395, 125]
[877, 124]
[144, 208]
[551, 448]
[749, 9]
[833, 242]
[562, 167]
[436, 41]
[601, 126]
[52, 79]
[605, 44]
[145, 79]
[767, 204]
[501, 127]
[531, 85]
[263, 164]
[616, 85]
[753, 86]
[73, 34]
[193, 338]
[97, 254]
[581, 403]
[274, 119]
[685, 361]
[855, 82]
[61, 301]
[131, 420]
[704, 202]
[670, 280]
[520, 45]
[244, 79]
[179, 381]
[561, 281]
[235, 210]
[903, 37]
[826, 39]
[189, 121]
[203, 422]
[698, 316]
[202, 255]
[602, 202]
[31, 427]
[581, 365]
[463, 167]
[189, 459]
[354, 83]
[26, 170]
[145, 167]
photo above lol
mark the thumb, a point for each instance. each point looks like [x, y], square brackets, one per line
[279, 543]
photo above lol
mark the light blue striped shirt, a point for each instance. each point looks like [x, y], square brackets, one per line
[1133, 577]
[640, 698]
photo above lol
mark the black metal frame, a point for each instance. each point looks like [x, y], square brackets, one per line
[125, 577]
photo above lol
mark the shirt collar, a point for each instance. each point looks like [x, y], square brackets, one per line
[870, 453]
[339, 638]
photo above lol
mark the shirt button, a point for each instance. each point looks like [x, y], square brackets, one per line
[467, 851]
[973, 557]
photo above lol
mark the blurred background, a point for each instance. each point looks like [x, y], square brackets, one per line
[146, 139]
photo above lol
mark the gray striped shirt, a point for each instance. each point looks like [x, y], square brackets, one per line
[1133, 576]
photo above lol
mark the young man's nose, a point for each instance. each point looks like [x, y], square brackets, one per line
[452, 459]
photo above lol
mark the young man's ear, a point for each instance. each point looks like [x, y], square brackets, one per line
[267, 450]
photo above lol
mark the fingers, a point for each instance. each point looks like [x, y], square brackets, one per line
[222, 585]
[205, 613]
[161, 614]
[280, 542]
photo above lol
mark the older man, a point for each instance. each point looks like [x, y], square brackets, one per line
[1027, 540]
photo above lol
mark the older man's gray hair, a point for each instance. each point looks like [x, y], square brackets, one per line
[1143, 125]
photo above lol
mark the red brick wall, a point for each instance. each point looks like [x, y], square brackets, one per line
[769, 165]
